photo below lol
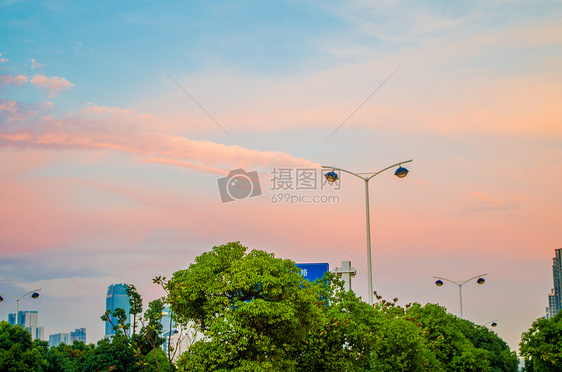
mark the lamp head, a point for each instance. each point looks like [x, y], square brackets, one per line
[175, 332]
[494, 324]
[35, 295]
[401, 172]
[1, 298]
[331, 176]
[480, 281]
[439, 283]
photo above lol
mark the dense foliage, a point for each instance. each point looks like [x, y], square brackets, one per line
[133, 348]
[18, 353]
[541, 345]
[143, 341]
[255, 312]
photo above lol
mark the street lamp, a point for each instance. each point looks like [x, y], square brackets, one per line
[33, 293]
[492, 323]
[332, 176]
[480, 280]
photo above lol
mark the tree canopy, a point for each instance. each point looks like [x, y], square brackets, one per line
[541, 345]
[256, 312]
[18, 353]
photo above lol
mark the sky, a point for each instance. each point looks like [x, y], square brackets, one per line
[136, 135]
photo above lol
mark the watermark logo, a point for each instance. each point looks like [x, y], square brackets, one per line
[292, 198]
[302, 186]
[291, 179]
[238, 185]
[288, 186]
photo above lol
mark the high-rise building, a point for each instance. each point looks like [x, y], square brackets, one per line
[79, 334]
[167, 325]
[28, 320]
[179, 338]
[68, 338]
[59, 338]
[116, 298]
[555, 296]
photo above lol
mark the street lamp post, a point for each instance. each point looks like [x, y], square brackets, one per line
[440, 279]
[332, 176]
[33, 293]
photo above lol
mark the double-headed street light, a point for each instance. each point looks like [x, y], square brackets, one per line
[34, 295]
[439, 283]
[332, 176]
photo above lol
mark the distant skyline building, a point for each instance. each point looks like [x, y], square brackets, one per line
[165, 333]
[59, 338]
[78, 334]
[555, 296]
[28, 320]
[180, 341]
[116, 298]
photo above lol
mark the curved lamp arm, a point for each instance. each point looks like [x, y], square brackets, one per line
[35, 290]
[392, 166]
[372, 174]
[477, 276]
[460, 283]
[19, 298]
[343, 170]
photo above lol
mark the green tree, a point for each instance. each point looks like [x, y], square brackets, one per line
[255, 310]
[121, 327]
[149, 339]
[453, 351]
[135, 304]
[460, 345]
[145, 343]
[17, 351]
[65, 358]
[112, 355]
[499, 356]
[541, 345]
[158, 361]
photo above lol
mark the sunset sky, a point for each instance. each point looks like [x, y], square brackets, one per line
[117, 119]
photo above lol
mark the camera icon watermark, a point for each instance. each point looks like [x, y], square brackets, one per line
[238, 185]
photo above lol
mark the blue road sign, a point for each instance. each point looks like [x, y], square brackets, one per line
[313, 271]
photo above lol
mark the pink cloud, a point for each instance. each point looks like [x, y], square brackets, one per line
[52, 85]
[185, 164]
[35, 64]
[94, 128]
[100, 110]
[490, 202]
[485, 197]
[6, 79]
[14, 112]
